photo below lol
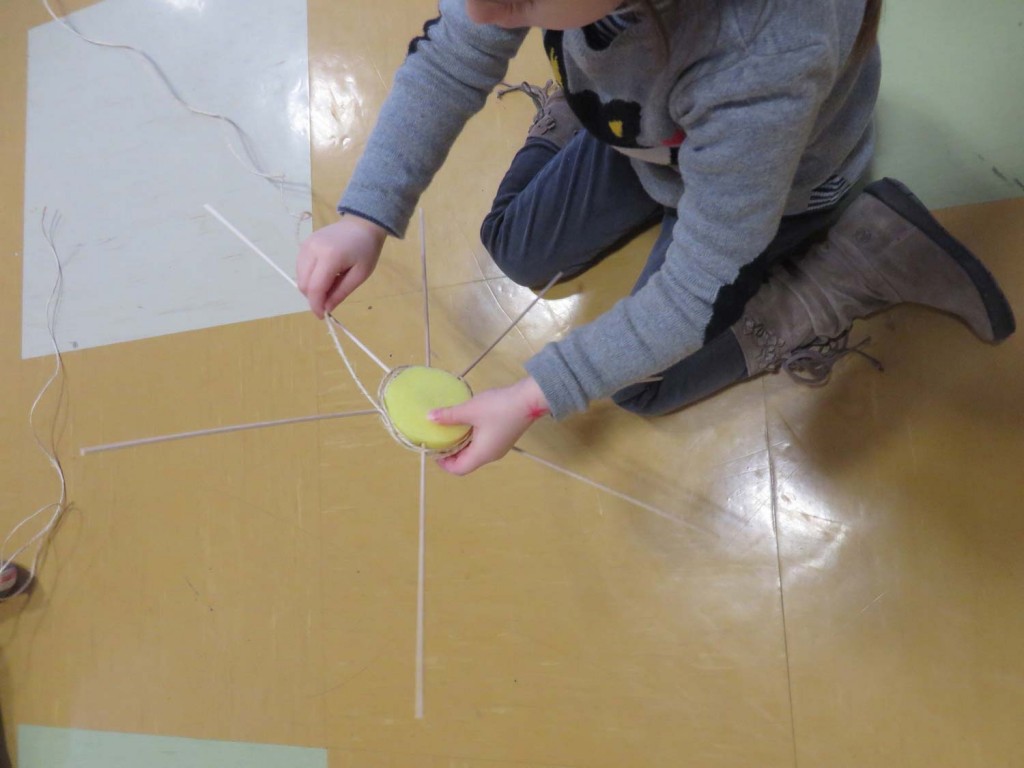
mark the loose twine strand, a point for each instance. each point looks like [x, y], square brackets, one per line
[55, 509]
[249, 162]
[350, 367]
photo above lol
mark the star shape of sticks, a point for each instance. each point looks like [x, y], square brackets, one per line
[377, 409]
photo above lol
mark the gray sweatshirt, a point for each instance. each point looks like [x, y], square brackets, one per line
[757, 110]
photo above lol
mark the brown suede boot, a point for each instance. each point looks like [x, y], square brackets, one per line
[886, 249]
[555, 121]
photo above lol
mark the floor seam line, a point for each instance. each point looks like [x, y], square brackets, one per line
[773, 491]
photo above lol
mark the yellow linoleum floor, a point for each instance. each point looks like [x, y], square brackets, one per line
[842, 583]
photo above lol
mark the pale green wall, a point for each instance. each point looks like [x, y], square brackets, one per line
[951, 113]
[40, 747]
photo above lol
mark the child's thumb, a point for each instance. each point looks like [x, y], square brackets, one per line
[456, 414]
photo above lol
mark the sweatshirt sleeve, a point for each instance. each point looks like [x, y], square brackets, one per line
[445, 79]
[746, 127]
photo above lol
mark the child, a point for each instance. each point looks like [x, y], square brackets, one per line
[740, 125]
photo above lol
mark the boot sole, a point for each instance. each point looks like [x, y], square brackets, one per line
[899, 198]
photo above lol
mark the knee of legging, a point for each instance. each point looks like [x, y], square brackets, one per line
[522, 265]
[490, 231]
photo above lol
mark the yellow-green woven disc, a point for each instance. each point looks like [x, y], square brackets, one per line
[416, 391]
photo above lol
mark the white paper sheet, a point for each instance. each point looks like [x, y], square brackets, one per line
[130, 168]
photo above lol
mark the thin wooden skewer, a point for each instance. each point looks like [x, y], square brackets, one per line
[426, 298]
[219, 431]
[420, 587]
[605, 488]
[210, 209]
[514, 323]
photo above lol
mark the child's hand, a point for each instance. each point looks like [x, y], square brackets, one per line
[499, 417]
[337, 259]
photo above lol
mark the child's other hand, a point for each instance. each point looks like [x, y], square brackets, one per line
[337, 259]
[499, 417]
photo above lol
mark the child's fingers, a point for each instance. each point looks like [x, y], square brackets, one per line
[481, 450]
[454, 415]
[344, 287]
[303, 269]
[321, 282]
[463, 462]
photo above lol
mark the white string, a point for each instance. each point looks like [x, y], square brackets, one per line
[235, 231]
[357, 342]
[219, 431]
[420, 587]
[513, 324]
[332, 321]
[351, 370]
[248, 163]
[300, 219]
[605, 488]
[60, 506]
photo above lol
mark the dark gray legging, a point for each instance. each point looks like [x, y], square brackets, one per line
[565, 210]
